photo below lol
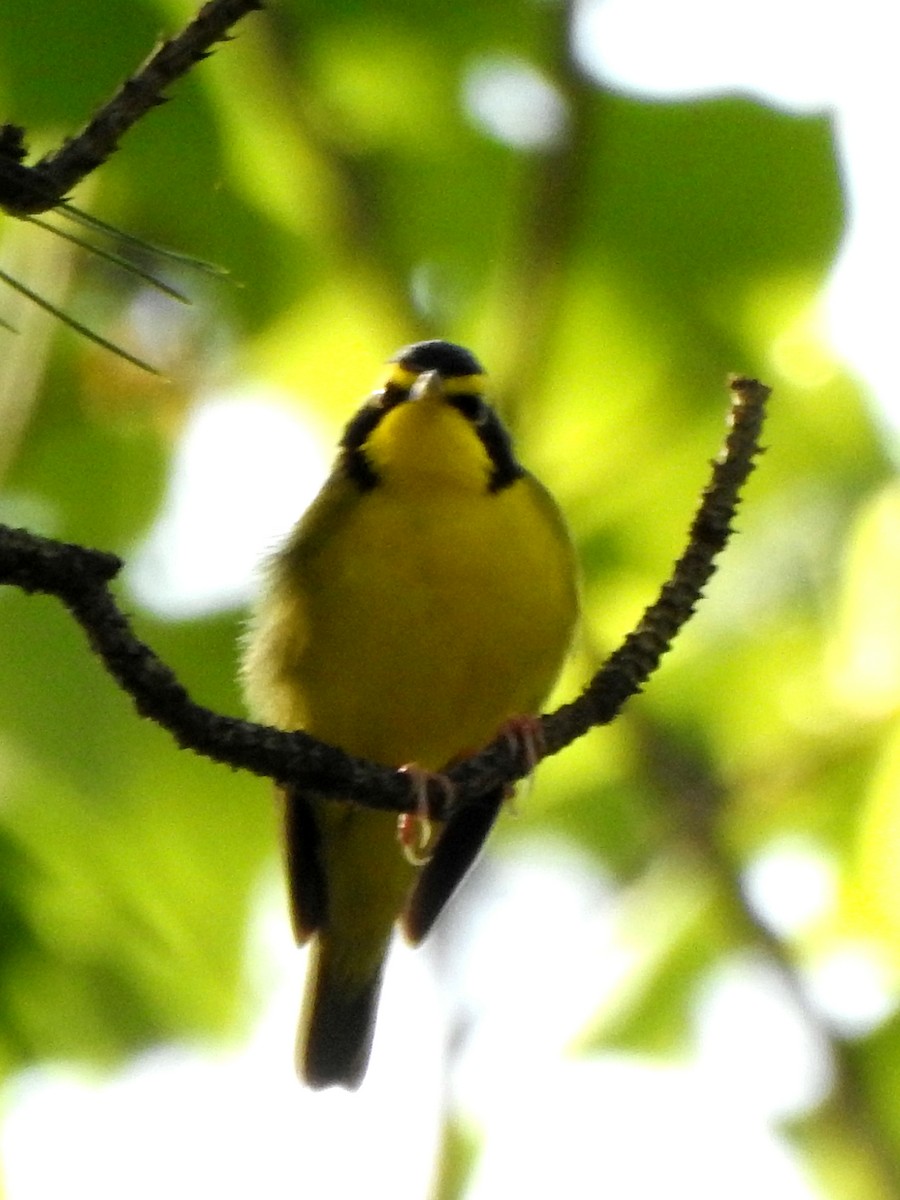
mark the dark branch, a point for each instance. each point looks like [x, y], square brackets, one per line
[26, 190]
[79, 577]
[628, 668]
[32, 189]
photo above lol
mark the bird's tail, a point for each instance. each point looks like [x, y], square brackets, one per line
[338, 1020]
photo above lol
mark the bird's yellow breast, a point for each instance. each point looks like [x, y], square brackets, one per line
[427, 448]
[407, 622]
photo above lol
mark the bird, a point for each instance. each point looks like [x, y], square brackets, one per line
[424, 601]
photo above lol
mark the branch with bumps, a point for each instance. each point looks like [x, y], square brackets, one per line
[25, 190]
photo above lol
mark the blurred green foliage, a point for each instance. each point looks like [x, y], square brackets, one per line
[610, 278]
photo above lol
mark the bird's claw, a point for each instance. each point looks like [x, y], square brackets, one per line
[415, 830]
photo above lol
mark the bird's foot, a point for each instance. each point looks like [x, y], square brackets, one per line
[527, 734]
[415, 830]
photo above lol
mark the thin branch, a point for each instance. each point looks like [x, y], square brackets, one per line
[25, 190]
[79, 577]
[628, 668]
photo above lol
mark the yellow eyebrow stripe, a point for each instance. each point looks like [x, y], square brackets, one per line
[456, 385]
[400, 377]
[465, 385]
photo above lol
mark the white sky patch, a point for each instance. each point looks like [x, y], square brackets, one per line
[513, 102]
[781, 50]
[245, 469]
[536, 953]
[752, 1040]
[791, 884]
[628, 1128]
[853, 987]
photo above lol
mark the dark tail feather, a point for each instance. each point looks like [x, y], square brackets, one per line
[337, 1025]
[457, 849]
[306, 882]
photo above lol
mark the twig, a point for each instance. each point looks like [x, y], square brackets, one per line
[628, 668]
[79, 577]
[25, 190]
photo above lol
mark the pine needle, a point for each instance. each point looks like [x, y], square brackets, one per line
[97, 338]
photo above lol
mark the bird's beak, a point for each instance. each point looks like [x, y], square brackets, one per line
[428, 386]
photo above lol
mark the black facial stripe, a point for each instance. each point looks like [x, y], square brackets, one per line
[470, 404]
[498, 444]
[353, 458]
[493, 435]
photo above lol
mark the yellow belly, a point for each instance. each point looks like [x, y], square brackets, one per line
[411, 626]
